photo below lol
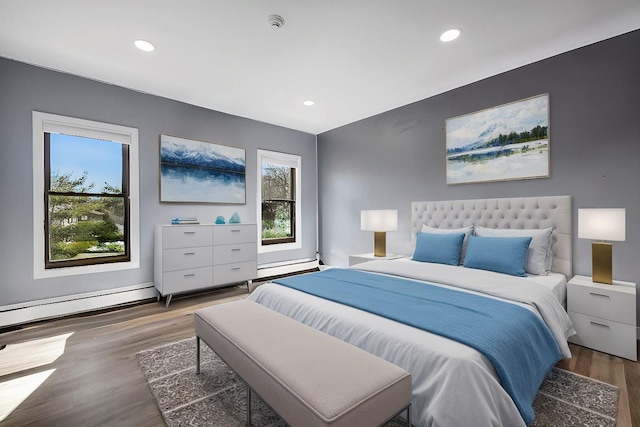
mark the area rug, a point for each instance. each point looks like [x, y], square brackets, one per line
[216, 397]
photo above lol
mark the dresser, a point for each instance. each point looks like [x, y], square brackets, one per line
[604, 316]
[192, 257]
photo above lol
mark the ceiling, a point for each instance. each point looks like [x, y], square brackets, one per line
[354, 58]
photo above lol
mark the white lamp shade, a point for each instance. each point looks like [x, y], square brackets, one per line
[379, 220]
[602, 224]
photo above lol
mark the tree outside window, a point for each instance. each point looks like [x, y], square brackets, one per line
[87, 209]
[278, 204]
[279, 201]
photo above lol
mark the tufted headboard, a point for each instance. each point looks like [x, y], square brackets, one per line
[517, 213]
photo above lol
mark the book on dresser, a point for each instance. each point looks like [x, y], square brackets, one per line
[201, 256]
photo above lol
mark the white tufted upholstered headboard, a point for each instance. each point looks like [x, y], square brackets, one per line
[516, 213]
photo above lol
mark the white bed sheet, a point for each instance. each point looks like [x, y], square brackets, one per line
[555, 282]
[453, 384]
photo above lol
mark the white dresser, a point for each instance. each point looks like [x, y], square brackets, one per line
[192, 257]
[604, 316]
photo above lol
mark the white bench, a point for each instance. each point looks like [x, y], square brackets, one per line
[306, 376]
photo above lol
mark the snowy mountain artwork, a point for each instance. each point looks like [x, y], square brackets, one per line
[502, 143]
[195, 171]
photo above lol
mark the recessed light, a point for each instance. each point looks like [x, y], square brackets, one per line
[309, 103]
[450, 35]
[144, 45]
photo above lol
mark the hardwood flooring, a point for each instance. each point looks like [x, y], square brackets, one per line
[94, 380]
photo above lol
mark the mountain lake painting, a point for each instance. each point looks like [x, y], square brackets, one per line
[195, 171]
[502, 143]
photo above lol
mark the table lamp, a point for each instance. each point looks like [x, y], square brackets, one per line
[379, 221]
[601, 224]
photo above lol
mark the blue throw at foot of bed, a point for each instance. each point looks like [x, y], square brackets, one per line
[515, 340]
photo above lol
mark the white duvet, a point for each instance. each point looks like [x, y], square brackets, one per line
[453, 384]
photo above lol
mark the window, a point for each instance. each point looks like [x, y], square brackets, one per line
[85, 196]
[279, 201]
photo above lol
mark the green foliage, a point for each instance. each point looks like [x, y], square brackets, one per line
[62, 250]
[78, 222]
[536, 133]
[107, 247]
[276, 229]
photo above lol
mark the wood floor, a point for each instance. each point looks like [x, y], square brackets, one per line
[94, 379]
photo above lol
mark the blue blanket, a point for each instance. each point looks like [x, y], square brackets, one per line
[516, 341]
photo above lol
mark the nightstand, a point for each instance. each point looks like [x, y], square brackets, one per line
[604, 316]
[357, 259]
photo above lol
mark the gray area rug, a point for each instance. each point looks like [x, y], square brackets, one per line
[216, 397]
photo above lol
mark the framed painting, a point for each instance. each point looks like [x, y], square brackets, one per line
[502, 143]
[201, 172]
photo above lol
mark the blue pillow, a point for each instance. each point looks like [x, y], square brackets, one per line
[438, 248]
[500, 254]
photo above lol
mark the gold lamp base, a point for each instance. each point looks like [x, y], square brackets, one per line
[601, 255]
[379, 243]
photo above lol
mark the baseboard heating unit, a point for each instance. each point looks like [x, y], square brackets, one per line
[288, 267]
[14, 314]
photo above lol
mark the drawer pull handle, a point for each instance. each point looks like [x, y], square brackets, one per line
[190, 275]
[599, 324]
[189, 232]
[235, 231]
[189, 253]
[236, 268]
[235, 250]
[599, 295]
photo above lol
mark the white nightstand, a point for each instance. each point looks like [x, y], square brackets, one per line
[357, 259]
[604, 316]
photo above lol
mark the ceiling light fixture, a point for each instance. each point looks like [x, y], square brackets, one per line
[144, 45]
[450, 35]
[309, 103]
[275, 21]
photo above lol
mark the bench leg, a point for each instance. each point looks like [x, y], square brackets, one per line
[248, 404]
[197, 355]
[409, 415]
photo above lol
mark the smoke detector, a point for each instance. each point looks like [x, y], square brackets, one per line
[275, 21]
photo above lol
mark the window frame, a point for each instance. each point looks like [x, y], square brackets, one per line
[289, 160]
[51, 123]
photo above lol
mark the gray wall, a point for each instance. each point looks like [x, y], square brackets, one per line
[24, 88]
[389, 160]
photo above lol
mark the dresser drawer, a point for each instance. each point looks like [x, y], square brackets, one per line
[602, 302]
[604, 335]
[232, 273]
[228, 254]
[174, 282]
[179, 259]
[232, 234]
[183, 236]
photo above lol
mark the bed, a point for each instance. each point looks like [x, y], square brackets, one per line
[454, 384]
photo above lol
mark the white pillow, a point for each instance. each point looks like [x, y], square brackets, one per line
[466, 230]
[539, 257]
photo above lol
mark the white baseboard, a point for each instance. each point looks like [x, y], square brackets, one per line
[14, 314]
[281, 268]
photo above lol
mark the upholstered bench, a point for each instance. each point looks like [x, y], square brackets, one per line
[308, 377]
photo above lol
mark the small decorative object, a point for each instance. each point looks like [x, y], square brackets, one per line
[220, 220]
[502, 143]
[235, 218]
